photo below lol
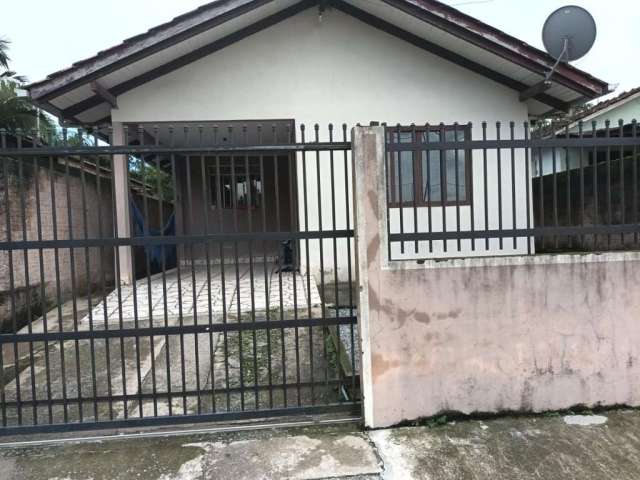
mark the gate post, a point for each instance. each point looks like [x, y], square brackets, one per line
[369, 187]
[123, 221]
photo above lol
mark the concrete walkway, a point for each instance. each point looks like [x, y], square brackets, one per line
[605, 446]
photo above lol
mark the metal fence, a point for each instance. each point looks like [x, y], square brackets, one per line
[466, 190]
[240, 304]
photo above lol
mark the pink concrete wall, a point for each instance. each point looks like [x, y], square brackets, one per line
[488, 335]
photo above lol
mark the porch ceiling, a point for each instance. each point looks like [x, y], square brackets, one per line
[86, 92]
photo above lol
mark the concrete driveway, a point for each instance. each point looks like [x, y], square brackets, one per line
[554, 447]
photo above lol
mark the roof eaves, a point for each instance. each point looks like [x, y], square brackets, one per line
[503, 44]
[183, 26]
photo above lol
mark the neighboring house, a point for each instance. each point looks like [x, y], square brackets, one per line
[624, 107]
[600, 181]
[285, 63]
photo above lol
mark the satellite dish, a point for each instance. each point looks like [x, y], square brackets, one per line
[569, 33]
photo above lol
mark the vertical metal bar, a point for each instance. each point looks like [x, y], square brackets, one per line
[623, 217]
[581, 160]
[56, 260]
[146, 234]
[3, 402]
[321, 245]
[267, 277]
[103, 280]
[400, 202]
[527, 176]
[555, 195]
[293, 221]
[335, 250]
[485, 187]
[43, 296]
[73, 279]
[23, 214]
[541, 166]
[234, 206]
[87, 262]
[348, 206]
[219, 207]
[427, 184]
[163, 253]
[514, 224]
[179, 276]
[457, 185]
[114, 210]
[194, 290]
[568, 193]
[12, 290]
[596, 220]
[444, 193]
[634, 132]
[499, 159]
[206, 206]
[609, 195]
[306, 227]
[134, 287]
[390, 171]
[256, 372]
[5, 160]
[280, 299]
[469, 178]
[416, 185]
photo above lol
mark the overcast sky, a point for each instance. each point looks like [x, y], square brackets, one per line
[48, 35]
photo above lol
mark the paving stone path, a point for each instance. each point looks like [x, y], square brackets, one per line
[199, 292]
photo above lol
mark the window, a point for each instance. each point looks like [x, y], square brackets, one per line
[423, 179]
[236, 185]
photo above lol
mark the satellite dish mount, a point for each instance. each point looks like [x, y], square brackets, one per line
[568, 34]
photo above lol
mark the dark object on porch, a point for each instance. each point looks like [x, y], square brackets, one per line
[285, 257]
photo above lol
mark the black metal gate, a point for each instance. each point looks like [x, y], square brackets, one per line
[221, 289]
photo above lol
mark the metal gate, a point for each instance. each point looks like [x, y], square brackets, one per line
[194, 273]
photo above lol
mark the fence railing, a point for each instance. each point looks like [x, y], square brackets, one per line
[494, 189]
[238, 239]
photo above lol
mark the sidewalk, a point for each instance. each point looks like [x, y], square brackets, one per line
[603, 446]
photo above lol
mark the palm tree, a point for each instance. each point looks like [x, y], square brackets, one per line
[4, 63]
[18, 113]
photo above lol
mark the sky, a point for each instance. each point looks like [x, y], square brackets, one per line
[46, 37]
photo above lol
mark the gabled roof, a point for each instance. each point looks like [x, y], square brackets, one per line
[85, 92]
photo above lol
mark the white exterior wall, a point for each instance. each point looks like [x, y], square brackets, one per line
[339, 70]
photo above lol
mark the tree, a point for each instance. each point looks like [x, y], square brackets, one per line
[4, 63]
[18, 113]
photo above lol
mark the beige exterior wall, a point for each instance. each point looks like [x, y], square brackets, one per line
[338, 70]
[488, 335]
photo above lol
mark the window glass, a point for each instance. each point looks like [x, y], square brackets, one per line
[437, 170]
[403, 170]
[235, 186]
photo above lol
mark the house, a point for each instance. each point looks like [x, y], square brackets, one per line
[317, 257]
[277, 65]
